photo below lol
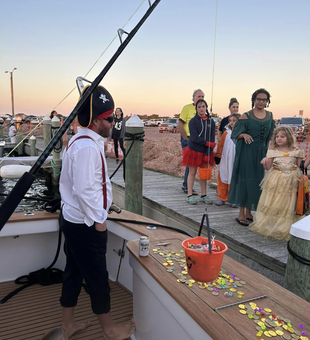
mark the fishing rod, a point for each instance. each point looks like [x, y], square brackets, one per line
[22, 186]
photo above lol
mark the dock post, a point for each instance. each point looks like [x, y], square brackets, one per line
[134, 166]
[47, 130]
[19, 137]
[56, 162]
[33, 150]
[297, 274]
[1, 129]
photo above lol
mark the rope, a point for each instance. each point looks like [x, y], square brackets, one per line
[59, 149]
[296, 256]
[134, 137]
[100, 55]
[213, 57]
[55, 168]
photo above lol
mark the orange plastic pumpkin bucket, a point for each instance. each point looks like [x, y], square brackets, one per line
[205, 173]
[203, 266]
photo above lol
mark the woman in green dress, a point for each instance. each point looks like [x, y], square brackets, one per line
[252, 133]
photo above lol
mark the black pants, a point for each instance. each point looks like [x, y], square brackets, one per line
[86, 249]
[121, 144]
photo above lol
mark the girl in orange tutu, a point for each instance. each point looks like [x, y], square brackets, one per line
[199, 151]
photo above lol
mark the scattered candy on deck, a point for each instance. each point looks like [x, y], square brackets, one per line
[222, 282]
[277, 325]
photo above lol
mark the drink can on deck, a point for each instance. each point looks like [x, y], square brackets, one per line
[144, 243]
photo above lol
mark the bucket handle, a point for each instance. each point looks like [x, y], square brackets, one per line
[205, 217]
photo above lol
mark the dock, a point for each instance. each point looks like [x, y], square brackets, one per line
[164, 201]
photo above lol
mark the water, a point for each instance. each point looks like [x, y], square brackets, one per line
[38, 190]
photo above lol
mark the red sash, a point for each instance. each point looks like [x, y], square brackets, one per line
[104, 187]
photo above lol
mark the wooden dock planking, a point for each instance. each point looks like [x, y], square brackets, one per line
[34, 311]
[163, 193]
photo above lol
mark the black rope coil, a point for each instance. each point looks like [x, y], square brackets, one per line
[59, 149]
[296, 256]
[129, 136]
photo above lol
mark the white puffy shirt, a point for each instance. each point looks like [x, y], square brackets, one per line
[12, 131]
[81, 180]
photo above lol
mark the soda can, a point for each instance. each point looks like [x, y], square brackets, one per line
[144, 243]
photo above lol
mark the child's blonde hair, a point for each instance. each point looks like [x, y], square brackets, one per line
[291, 140]
[235, 115]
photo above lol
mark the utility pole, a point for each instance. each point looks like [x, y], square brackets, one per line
[12, 93]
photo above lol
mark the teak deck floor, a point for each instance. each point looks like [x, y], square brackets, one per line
[35, 310]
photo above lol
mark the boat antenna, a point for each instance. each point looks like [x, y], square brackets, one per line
[211, 106]
[22, 186]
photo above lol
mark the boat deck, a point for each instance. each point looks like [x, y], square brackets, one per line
[35, 310]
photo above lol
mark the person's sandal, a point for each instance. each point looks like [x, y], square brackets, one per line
[245, 223]
[206, 199]
[191, 200]
[195, 193]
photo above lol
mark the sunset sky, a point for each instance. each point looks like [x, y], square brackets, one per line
[258, 44]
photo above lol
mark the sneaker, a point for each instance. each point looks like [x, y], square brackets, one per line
[191, 200]
[219, 203]
[117, 161]
[206, 199]
[234, 206]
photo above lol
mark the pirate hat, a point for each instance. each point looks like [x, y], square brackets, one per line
[99, 105]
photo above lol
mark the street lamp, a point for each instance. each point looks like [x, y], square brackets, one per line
[12, 95]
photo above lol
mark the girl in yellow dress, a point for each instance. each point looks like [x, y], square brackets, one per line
[276, 208]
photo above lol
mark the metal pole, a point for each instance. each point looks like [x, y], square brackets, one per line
[12, 92]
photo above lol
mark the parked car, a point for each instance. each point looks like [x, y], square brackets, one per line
[170, 125]
[157, 121]
[147, 123]
[30, 118]
[298, 124]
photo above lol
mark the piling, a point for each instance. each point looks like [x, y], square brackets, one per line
[56, 161]
[19, 138]
[33, 149]
[47, 130]
[134, 166]
[297, 274]
[1, 129]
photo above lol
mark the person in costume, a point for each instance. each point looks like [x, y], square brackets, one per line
[53, 114]
[233, 107]
[225, 155]
[12, 132]
[187, 113]
[118, 135]
[276, 208]
[252, 132]
[118, 132]
[199, 151]
[86, 195]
